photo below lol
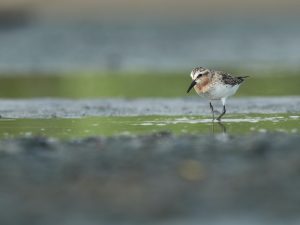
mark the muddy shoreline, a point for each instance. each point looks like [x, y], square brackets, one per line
[151, 179]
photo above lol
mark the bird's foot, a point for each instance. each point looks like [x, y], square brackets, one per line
[219, 117]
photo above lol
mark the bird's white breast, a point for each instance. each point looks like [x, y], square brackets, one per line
[223, 91]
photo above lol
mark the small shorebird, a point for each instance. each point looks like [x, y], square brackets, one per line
[215, 85]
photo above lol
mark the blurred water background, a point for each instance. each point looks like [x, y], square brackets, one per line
[64, 46]
[44, 37]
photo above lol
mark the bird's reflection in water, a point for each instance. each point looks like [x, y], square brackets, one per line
[220, 125]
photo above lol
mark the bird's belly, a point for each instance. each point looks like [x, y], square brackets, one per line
[223, 91]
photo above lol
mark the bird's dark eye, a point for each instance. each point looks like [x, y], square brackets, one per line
[199, 75]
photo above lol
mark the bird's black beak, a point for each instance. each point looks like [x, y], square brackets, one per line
[191, 86]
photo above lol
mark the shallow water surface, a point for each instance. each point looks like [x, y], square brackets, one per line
[133, 125]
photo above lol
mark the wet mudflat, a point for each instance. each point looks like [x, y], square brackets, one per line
[149, 161]
[193, 106]
[69, 119]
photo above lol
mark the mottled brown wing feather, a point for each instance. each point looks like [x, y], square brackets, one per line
[231, 80]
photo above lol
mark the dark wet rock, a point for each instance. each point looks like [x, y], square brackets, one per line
[154, 179]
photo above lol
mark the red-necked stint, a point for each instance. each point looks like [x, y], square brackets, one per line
[215, 85]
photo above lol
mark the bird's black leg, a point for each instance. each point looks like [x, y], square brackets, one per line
[212, 110]
[222, 114]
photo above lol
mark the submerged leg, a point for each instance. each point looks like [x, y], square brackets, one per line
[212, 110]
[224, 109]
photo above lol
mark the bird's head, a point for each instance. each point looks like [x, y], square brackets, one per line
[197, 76]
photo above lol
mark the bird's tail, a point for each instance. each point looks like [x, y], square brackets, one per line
[243, 77]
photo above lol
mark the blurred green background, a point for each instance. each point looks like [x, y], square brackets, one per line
[134, 85]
